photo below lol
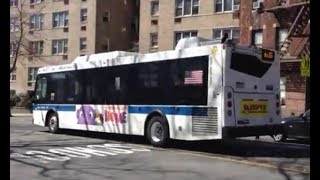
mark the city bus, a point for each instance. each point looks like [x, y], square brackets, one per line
[201, 90]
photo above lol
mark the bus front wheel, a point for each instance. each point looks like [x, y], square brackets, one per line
[158, 131]
[53, 123]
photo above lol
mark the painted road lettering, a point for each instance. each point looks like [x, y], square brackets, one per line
[22, 156]
[69, 153]
[90, 151]
[48, 156]
[115, 150]
[132, 148]
[66, 153]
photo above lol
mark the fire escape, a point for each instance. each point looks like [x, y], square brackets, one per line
[296, 18]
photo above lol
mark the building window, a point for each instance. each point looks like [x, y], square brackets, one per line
[234, 33]
[32, 73]
[60, 47]
[225, 5]
[187, 34]
[13, 75]
[37, 47]
[187, 7]
[83, 15]
[13, 47]
[14, 24]
[60, 19]
[282, 90]
[83, 44]
[106, 17]
[13, 2]
[281, 37]
[36, 21]
[154, 8]
[36, 1]
[257, 38]
[256, 4]
[154, 40]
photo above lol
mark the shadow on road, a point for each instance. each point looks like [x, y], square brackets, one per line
[231, 147]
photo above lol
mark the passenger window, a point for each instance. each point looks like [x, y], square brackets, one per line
[41, 89]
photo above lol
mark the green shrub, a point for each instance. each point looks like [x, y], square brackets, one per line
[14, 100]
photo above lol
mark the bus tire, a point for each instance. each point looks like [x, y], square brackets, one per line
[53, 123]
[158, 131]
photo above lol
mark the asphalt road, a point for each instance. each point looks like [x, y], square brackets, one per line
[37, 154]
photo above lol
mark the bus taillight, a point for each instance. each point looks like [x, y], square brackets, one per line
[229, 104]
[278, 104]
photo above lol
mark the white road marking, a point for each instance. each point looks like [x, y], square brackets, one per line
[66, 153]
[46, 155]
[69, 153]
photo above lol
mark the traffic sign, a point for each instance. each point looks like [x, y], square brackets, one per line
[305, 65]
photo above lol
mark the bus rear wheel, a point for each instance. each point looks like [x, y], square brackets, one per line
[158, 131]
[53, 123]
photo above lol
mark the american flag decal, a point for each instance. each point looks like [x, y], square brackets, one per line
[193, 77]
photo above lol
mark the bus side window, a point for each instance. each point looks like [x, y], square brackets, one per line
[41, 89]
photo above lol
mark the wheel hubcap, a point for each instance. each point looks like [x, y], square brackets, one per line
[156, 132]
[278, 137]
[53, 123]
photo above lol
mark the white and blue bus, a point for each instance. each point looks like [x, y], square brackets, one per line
[199, 91]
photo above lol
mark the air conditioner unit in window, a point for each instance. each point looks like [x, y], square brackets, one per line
[236, 7]
[177, 20]
[256, 5]
[65, 57]
[65, 29]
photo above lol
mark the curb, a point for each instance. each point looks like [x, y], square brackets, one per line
[21, 114]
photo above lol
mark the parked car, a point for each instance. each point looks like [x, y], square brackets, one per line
[297, 127]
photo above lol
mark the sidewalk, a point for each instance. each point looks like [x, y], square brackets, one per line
[21, 114]
[18, 112]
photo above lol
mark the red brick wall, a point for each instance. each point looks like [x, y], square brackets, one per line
[295, 87]
[294, 81]
[295, 103]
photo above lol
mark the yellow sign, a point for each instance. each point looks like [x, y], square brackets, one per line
[305, 65]
[251, 108]
[267, 55]
[214, 50]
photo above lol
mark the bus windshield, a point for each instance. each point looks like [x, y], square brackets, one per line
[249, 64]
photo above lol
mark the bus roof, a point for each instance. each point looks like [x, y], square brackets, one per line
[187, 47]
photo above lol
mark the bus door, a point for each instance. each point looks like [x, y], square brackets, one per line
[215, 93]
[39, 111]
[215, 81]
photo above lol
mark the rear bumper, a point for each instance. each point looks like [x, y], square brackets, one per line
[251, 131]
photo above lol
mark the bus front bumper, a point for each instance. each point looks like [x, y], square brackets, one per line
[247, 131]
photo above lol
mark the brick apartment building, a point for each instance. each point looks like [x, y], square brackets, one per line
[164, 22]
[269, 30]
[57, 31]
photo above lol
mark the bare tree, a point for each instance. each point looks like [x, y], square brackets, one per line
[20, 36]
